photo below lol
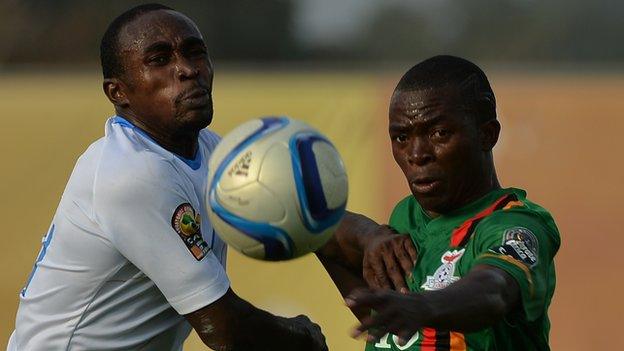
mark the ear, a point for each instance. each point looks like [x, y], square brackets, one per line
[489, 132]
[115, 90]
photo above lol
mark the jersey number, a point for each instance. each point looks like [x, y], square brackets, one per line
[45, 242]
[384, 344]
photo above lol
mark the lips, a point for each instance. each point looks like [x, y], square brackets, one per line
[425, 185]
[194, 94]
[195, 98]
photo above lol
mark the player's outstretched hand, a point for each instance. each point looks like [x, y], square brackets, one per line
[396, 313]
[313, 331]
[388, 258]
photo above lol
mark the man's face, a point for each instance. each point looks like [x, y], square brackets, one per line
[167, 71]
[438, 148]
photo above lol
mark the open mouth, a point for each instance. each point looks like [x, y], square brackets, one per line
[425, 185]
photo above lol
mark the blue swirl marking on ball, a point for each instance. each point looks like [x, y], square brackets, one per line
[316, 215]
[277, 243]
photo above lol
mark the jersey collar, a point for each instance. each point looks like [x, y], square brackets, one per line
[456, 217]
[193, 163]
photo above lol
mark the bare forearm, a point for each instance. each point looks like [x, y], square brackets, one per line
[264, 331]
[346, 247]
[233, 324]
[480, 299]
[374, 254]
[477, 301]
[346, 281]
[342, 256]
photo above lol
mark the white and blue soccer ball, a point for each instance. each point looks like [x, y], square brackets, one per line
[277, 188]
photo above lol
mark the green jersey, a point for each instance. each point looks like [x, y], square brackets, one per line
[502, 229]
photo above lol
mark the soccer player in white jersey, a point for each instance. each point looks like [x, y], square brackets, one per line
[130, 261]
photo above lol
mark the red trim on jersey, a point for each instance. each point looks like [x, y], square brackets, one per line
[429, 340]
[461, 234]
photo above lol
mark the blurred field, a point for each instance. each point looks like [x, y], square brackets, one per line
[560, 141]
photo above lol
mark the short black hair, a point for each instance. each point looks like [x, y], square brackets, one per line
[445, 71]
[109, 46]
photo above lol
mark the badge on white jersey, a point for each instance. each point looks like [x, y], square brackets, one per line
[445, 274]
[187, 223]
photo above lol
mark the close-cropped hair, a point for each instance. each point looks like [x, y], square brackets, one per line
[109, 46]
[451, 72]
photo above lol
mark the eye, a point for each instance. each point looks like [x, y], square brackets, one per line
[400, 138]
[159, 60]
[198, 52]
[440, 134]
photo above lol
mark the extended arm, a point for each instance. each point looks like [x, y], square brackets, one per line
[478, 300]
[362, 251]
[232, 324]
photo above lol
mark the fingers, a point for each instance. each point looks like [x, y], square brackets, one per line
[411, 250]
[388, 261]
[314, 331]
[369, 275]
[363, 298]
[379, 277]
[394, 270]
[375, 325]
[318, 337]
[403, 256]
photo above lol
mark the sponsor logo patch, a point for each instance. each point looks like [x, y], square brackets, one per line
[445, 274]
[521, 244]
[187, 224]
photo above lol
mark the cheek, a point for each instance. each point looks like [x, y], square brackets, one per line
[458, 161]
[399, 156]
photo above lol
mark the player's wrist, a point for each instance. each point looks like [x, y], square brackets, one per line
[374, 234]
[428, 308]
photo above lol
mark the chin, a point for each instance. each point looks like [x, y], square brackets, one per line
[197, 119]
[432, 203]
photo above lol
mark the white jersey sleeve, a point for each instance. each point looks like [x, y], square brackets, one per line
[154, 222]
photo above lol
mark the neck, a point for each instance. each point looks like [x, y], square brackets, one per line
[181, 142]
[470, 194]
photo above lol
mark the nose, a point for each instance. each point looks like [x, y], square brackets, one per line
[420, 152]
[186, 69]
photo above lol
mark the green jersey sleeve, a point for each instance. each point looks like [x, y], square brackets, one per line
[523, 243]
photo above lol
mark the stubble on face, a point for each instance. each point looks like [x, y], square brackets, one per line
[159, 94]
[436, 145]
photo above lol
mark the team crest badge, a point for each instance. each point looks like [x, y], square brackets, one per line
[445, 274]
[187, 224]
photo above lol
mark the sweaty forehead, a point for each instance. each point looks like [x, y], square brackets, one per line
[154, 26]
[423, 104]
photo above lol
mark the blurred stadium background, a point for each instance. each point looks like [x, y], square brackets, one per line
[555, 66]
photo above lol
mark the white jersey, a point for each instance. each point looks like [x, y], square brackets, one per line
[128, 252]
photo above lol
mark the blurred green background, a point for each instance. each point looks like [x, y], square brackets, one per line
[556, 68]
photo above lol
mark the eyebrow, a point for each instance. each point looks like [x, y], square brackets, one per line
[401, 126]
[190, 41]
[158, 46]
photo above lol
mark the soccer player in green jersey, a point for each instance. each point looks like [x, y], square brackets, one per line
[470, 262]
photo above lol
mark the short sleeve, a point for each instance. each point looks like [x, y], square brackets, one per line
[523, 245]
[153, 223]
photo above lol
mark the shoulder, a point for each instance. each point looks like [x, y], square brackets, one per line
[522, 215]
[128, 172]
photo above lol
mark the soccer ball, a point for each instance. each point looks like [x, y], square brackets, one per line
[277, 189]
